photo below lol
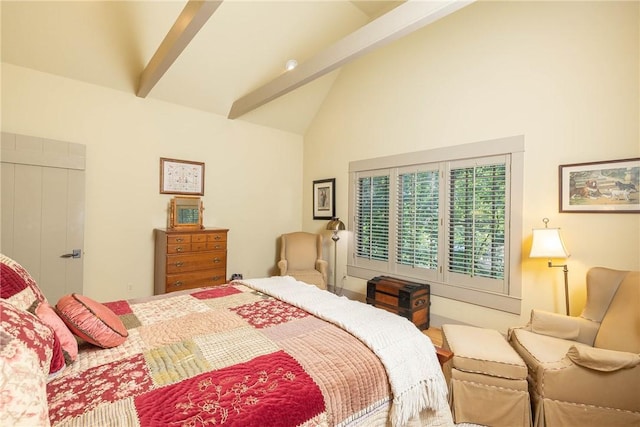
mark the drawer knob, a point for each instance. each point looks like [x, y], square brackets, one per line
[217, 237]
[214, 278]
[179, 264]
[179, 249]
[216, 260]
[178, 283]
[179, 239]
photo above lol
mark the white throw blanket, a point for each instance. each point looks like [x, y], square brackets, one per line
[407, 354]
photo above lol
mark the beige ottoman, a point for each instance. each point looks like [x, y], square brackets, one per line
[487, 379]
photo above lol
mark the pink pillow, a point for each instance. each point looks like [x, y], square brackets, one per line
[92, 321]
[47, 314]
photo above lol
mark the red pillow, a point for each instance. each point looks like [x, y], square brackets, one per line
[16, 284]
[92, 321]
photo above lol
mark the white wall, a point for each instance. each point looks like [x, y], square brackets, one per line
[565, 75]
[252, 174]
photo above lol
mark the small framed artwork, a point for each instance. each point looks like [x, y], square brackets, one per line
[181, 177]
[606, 187]
[324, 202]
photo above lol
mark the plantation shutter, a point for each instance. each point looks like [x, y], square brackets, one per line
[476, 223]
[372, 217]
[417, 216]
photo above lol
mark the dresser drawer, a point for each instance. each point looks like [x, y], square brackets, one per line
[199, 238]
[209, 246]
[178, 239]
[217, 246]
[179, 248]
[217, 237]
[196, 279]
[197, 261]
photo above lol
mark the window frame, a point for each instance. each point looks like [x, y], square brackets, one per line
[513, 148]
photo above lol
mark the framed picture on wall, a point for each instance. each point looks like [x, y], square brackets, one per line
[605, 187]
[181, 177]
[324, 202]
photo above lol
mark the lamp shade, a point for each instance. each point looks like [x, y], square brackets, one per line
[335, 224]
[547, 243]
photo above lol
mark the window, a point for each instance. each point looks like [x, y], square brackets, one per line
[447, 221]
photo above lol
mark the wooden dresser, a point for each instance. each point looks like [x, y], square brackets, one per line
[187, 259]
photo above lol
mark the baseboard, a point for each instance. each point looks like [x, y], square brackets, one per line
[356, 296]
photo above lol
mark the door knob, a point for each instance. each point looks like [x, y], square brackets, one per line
[76, 253]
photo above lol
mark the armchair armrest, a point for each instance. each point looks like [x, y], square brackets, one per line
[565, 327]
[321, 266]
[601, 359]
[282, 265]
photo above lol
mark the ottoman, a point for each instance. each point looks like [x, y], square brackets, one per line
[487, 379]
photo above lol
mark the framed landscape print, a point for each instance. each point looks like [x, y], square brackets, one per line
[607, 187]
[181, 177]
[324, 202]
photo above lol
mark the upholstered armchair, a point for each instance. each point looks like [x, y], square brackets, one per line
[585, 370]
[301, 257]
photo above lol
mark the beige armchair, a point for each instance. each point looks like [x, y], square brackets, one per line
[585, 371]
[301, 257]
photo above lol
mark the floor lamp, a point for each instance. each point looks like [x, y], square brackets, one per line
[335, 225]
[547, 243]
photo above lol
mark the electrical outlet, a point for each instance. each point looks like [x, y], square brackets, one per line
[129, 287]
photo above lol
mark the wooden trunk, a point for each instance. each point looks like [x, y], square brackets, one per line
[407, 299]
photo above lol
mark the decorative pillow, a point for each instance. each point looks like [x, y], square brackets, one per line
[68, 342]
[92, 321]
[23, 386]
[16, 284]
[57, 357]
[20, 325]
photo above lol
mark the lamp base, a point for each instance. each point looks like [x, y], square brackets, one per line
[565, 270]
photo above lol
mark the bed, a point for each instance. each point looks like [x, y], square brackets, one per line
[261, 352]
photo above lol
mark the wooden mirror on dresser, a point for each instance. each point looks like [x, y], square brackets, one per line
[185, 213]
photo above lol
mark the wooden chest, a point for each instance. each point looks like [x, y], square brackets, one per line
[407, 299]
[190, 259]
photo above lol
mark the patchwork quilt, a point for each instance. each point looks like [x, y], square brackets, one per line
[227, 355]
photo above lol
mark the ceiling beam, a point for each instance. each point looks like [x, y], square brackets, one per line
[192, 18]
[404, 19]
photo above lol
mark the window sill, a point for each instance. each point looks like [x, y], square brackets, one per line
[495, 301]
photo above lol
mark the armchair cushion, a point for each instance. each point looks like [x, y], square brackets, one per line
[602, 359]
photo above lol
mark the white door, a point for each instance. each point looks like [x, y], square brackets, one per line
[42, 210]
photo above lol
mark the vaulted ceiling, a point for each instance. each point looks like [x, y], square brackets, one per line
[224, 57]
